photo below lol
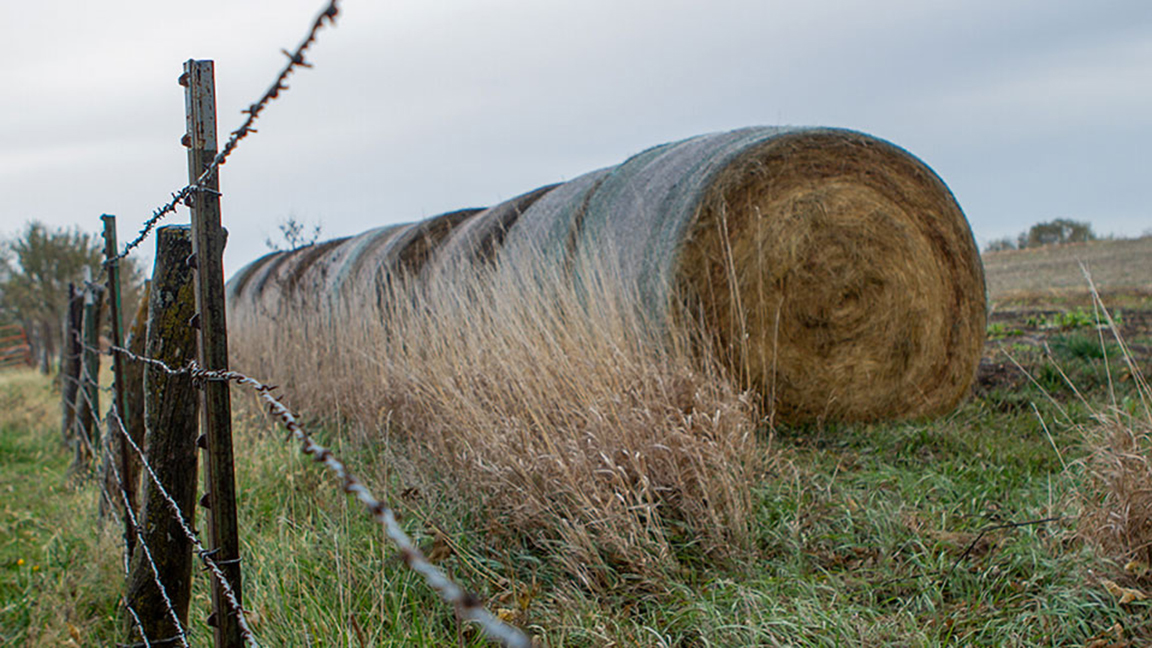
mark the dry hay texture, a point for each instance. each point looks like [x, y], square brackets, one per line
[833, 271]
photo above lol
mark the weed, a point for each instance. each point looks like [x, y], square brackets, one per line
[999, 331]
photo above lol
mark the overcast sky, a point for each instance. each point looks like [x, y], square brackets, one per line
[1030, 110]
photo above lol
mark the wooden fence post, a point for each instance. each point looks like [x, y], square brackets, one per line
[46, 350]
[126, 483]
[89, 374]
[136, 343]
[208, 240]
[70, 366]
[170, 404]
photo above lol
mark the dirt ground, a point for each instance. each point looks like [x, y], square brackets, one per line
[1040, 296]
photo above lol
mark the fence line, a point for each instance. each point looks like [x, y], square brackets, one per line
[203, 553]
[466, 605]
[140, 536]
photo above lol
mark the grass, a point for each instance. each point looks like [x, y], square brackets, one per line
[872, 535]
[57, 560]
[568, 420]
[1002, 524]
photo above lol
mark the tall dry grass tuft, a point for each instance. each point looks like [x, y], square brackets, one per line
[1117, 506]
[541, 395]
[1116, 503]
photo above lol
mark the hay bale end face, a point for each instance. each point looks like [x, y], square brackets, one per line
[834, 272]
[840, 275]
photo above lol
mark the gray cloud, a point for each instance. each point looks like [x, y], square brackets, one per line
[1029, 110]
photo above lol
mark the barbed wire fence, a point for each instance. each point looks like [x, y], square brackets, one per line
[81, 405]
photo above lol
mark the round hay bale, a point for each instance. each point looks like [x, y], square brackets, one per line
[264, 287]
[338, 267]
[835, 271]
[478, 238]
[842, 273]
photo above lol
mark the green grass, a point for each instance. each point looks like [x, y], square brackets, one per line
[58, 561]
[876, 535]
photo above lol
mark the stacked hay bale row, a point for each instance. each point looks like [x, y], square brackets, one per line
[834, 271]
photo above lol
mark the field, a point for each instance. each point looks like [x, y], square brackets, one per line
[1022, 519]
[1047, 274]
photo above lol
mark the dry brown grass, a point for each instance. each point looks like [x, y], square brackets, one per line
[1054, 271]
[1116, 503]
[1118, 509]
[567, 420]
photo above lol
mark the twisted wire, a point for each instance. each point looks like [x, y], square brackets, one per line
[203, 553]
[139, 625]
[295, 60]
[466, 604]
[171, 609]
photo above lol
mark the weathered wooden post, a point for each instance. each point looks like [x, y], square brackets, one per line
[208, 257]
[116, 423]
[136, 343]
[170, 404]
[89, 373]
[46, 350]
[70, 364]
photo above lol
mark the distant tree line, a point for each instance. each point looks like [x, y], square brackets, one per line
[36, 266]
[1056, 232]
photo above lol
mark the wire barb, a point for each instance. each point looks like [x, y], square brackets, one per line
[204, 554]
[141, 542]
[465, 603]
[327, 16]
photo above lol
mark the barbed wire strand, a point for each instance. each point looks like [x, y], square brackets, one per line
[203, 553]
[79, 424]
[112, 506]
[140, 536]
[466, 604]
[139, 625]
[152, 362]
[191, 534]
[106, 441]
[295, 60]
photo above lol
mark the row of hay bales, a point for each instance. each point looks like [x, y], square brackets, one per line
[834, 270]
